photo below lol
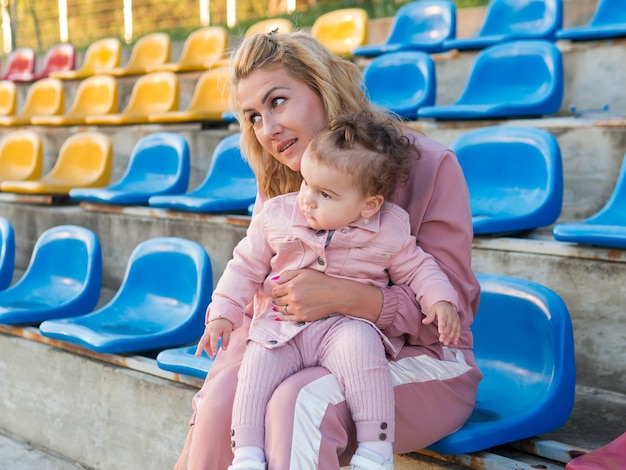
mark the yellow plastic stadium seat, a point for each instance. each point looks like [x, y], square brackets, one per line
[342, 30]
[155, 92]
[100, 55]
[203, 46]
[84, 161]
[209, 100]
[21, 156]
[45, 97]
[96, 95]
[8, 98]
[151, 49]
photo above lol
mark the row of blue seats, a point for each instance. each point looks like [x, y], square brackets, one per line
[528, 387]
[430, 25]
[522, 78]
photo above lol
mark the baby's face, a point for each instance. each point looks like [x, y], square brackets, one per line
[328, 198]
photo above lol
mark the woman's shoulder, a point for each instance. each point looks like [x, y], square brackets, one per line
[429, 149]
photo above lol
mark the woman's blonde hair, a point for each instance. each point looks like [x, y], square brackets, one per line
[337, 81]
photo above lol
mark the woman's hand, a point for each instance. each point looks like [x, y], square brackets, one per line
[308, 295]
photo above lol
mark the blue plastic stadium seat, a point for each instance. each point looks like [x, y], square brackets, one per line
[419, 25]
[160, 304]
[63, 278]
[524, 346]
[514, 175]
[513, 79]
[230, 185]
[183, 360]
[401, 82]
[159, 164]
[605, 228]
[510, 20]
[7, 252]
[608, 21]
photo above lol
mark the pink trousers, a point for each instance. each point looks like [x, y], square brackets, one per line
[307, 422]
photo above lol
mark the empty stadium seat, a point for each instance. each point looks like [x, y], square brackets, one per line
[524, 346]
[208, 103]
[45, 97]
[230, 184]
[512, 79]
[514, 175]
[419, 25]
[605, 228]
[85, 160]
[151, 49]
[160, 304]
[401, 82]
[102, 54]
[95, 96]
[203, 46]
[608, 21]
[8, 98]
[63, 278]
[7, 252]
[158, 165]
[342, 30]
[60, 57]
[154, 92]
[20, 62]
[510, 20]
[21, 155]
[182, 360]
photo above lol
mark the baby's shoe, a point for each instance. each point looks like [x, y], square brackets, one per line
[364, 459]
[248, 465]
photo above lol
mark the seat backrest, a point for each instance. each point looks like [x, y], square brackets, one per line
[342, 30]
[280, 25]
[21, 156]
[166, 269]
[59, 57]
[154, 92]
[7, 252]
[85, 160]
[516, 72]
[45, 97]
[615, 207]
[95, 95]
[8, 98]
[229, 174]
[424, 21]
[159, 161]
[151, 49]
[20, 61]
[67, 259]
[523, 344]
[401, 82]
[609, 12]
[512, 171]
[532, 18]
[102, 54]
[203, 45]
[211, 92]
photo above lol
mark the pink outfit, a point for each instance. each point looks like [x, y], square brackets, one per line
[373, 252]
[307, 422]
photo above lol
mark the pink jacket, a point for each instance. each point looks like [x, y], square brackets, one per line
[279, 239]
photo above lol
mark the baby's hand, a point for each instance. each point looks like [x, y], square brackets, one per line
[447, 320]
[213, 331]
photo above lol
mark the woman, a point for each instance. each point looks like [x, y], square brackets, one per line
[286, 88]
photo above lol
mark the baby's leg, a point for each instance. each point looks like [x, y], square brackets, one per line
[261, 371]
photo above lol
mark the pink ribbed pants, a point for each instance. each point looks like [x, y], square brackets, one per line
[350, 349]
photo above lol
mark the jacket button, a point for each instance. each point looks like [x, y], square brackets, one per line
[321, 261]
[382, 436]
[272, 341]
[383, 425]
[319, 233]
[301, 323]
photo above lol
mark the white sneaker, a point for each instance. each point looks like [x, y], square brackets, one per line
[248, 465]
[364, 459]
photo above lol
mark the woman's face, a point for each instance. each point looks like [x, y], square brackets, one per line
[284, 113]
